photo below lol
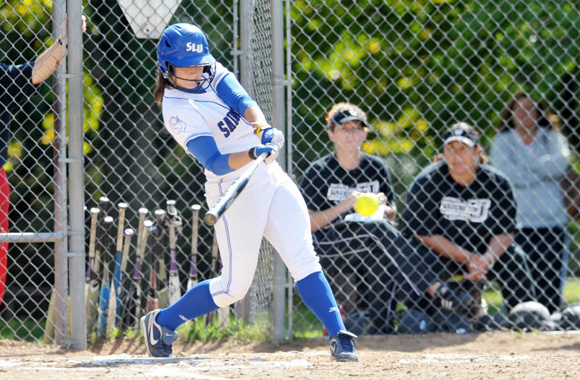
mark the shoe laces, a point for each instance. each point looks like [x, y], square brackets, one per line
[345, 343]
[164, 347]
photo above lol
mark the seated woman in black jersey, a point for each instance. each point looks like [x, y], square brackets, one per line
[462, 214]
[365, 258]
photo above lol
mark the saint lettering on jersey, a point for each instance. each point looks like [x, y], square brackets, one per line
[229, 123]
[473, 210]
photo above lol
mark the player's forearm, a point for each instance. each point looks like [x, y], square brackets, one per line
[320, 219]
[47, 63]
[497, 247]
[255, 116]
[442, 246]
[239, 160]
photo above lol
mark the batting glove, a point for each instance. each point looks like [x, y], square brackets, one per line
[272, 136]
[270, 149]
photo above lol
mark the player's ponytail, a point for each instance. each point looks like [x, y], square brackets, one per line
[159, 88]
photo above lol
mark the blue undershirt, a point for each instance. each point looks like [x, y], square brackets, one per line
[207, 153]
[205, 148]
[234, 95]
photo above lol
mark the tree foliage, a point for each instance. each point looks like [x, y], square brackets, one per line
[418, 65]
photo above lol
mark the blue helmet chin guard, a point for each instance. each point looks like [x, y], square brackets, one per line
[185, 45]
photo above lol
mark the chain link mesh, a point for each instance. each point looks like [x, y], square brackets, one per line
[32, 152]
[414, 67]
[129, 156]
[260, 87]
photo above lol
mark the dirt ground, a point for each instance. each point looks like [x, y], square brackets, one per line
[495, 356]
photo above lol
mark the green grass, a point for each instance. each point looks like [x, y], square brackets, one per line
[494, 301]
[198, 331]
[494, 298]
[305, 324]
[236, 331]
[28, 330]
[33, 331]
[572, 290]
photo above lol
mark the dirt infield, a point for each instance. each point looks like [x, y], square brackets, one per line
[495, 356]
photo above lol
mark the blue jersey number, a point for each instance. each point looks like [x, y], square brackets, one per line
[229, 123]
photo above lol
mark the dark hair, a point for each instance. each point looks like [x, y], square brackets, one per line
[483, 158]
[545, 118]
[160, 88]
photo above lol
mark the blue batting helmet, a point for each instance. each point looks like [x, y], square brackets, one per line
[183, 45]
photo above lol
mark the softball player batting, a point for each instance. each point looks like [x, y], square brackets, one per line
[210, 115]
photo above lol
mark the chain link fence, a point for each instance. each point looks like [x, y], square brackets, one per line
[414, 68]
[129, 158]
[34, 146]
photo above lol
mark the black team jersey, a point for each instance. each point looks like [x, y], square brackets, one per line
[326, 183]
[469, 216]
[16, 85]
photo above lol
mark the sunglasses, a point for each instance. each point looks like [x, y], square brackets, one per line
[345, 116]
[459, 134]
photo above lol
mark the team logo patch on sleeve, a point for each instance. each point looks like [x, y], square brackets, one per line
[473, 210]
[177, 125]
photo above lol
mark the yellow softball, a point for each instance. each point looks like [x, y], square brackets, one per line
[366, 204]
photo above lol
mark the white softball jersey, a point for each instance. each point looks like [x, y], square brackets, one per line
[270, 206]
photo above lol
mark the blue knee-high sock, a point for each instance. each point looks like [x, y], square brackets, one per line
[317, 295]
[195, 303]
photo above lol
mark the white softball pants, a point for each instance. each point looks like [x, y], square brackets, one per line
[270, 206]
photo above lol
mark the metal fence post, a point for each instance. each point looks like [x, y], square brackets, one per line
[60, 214]
[76, 173]
[245, 20]
[278, 118]
[242, 308]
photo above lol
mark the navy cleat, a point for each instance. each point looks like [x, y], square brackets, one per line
[158, 338]
[342, 347]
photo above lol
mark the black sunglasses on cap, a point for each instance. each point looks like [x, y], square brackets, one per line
[468, 138]
[342, 117]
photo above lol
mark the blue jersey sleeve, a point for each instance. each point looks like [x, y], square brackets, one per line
[206, 151]
[234, 95]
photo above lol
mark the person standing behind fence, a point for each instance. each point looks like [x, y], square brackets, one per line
[213, 118]
[367, 254]
[461, 214]
[18, 83]
[534, 156]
